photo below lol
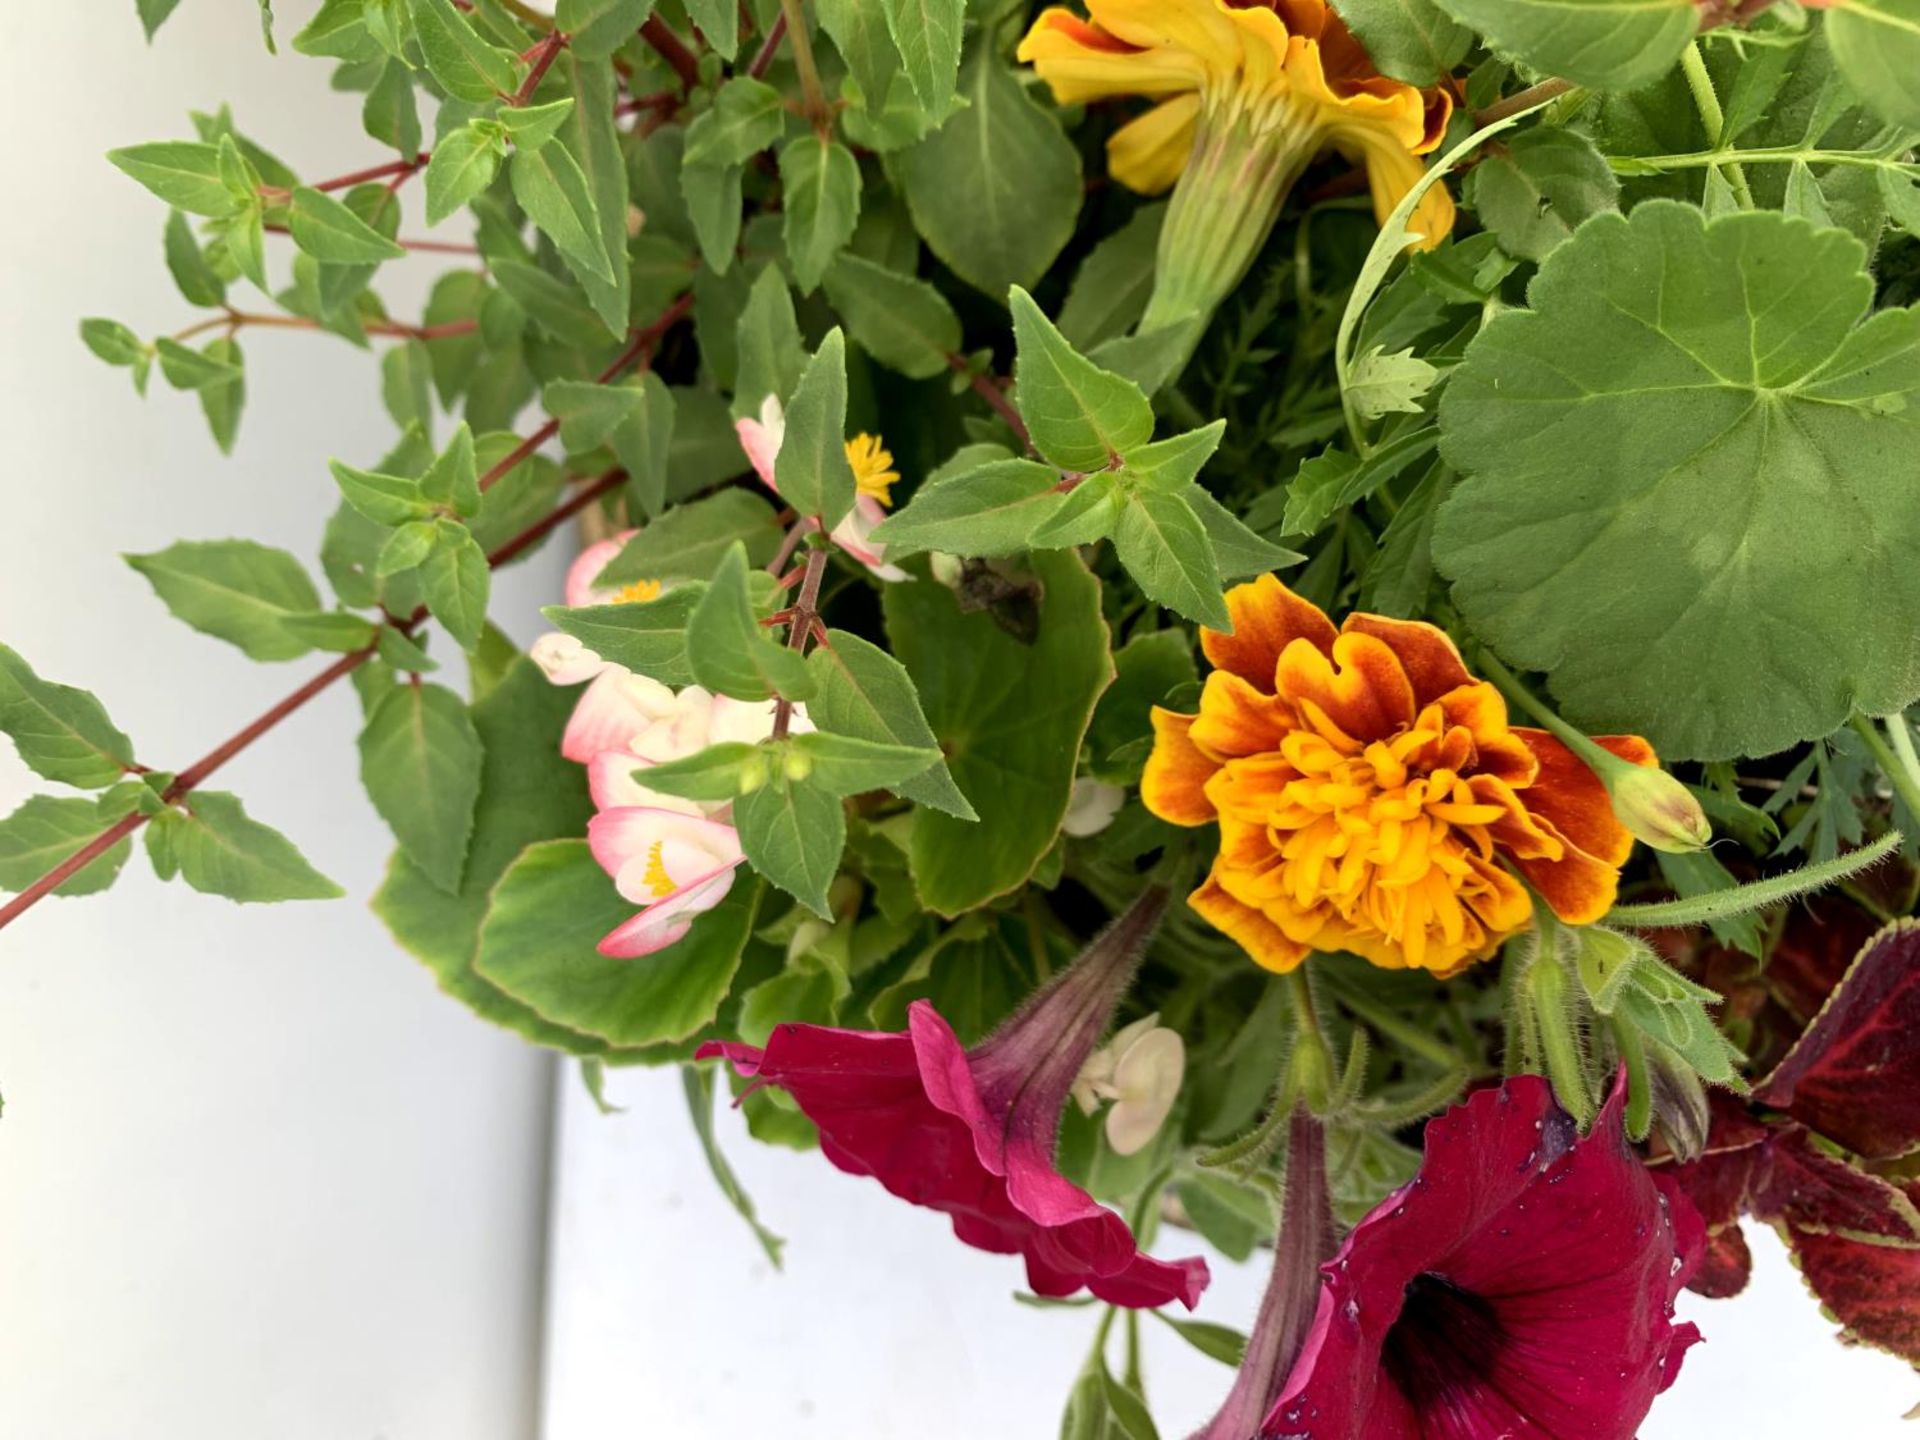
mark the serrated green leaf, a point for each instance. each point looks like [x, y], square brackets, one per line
[593, 137]
[1877, 46]
[812, 470]
[420, 761]
[406, 549]
[1010, 718]
[44, 832]
[61, 731]
[329, 231]
[1410, 40]
[820, 182]
[996, 189]
[1732, 467]
[1601, 44]
[1172, 465]
[729, 651]
[469, 67]
[863, 692]
[532, 126]
[772, 356]
[1535, 189]
[223, 402]
[235, 590]
[338, 30]
[719, 22]
[687, 542]
[793, 833]
[187, 263]
[849, 765]
[1087, 513]
[463, 164]
[383, 499]
[220, 850]
[1238, 550]
[1379, 384]
[927, 35]
[1082, 418]
[454, 477]
[991, 510]
[552, 189]
[747, 116]
[188, 369]
[1166, 550]
[599, 27]
[648, 637]
[456, 579]
[900, 320]
[333, 630]
[184, 173]
[713, 196]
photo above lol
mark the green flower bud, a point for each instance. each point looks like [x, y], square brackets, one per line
[1657, 808]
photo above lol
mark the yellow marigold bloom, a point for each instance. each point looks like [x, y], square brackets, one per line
[1249, 93]
[1371, 796]
[872, 464]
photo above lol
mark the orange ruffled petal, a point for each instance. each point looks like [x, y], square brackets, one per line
[1263, 940]
[1174, 784]
[1267, 617]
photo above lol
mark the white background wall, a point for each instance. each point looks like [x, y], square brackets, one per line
[258, 1178]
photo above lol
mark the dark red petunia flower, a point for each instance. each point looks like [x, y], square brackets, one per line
[1521, 1285]
[1852, 1081]
[972, 1132]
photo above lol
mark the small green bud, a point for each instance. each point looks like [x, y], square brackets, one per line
[797, 764]
[753, 771]
[1657, 808]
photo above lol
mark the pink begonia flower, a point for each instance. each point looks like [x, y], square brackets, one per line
[971, 1132]
[1521, 1285]
[676, 866]
[761, 439]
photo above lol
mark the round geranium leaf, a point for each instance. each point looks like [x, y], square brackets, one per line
[1691, 482]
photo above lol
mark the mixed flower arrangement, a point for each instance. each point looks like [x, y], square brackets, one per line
[1043, 718]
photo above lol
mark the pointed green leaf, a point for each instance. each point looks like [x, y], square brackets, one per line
[1166, 550]
[44, 832]
[821, 196]
[188, 369]
[730, 652]
[463, 164]
[901, 321]
[220, 850]
[456, 579]
[383, 499]
[420, 760]
[552, 189]
[772, 356]
[927, 34]
[648, 637]
[1082, 418]
[466, 65]
[532, 126]
[747, 116]
[1601, 44]
[793, 833]
[329, 231]
[183, 173]
[688, 542]
[993, 509]
[812, 468]
[61, 731]
[863, 692]
[599, 27]
[223, 401]
[234, 590]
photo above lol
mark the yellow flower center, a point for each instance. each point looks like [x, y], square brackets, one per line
[655, 876]
[637, 591]
[1395, 848]
[872, 463]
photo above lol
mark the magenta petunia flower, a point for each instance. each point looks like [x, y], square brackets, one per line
[972, 1132]
[1521, 1285]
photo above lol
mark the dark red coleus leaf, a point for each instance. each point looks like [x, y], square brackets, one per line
[1854, 1075]
[1872, 1288]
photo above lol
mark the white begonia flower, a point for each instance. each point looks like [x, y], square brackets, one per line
[1139, 1072]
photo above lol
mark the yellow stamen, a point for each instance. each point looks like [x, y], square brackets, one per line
[873, 472]
[637, 591]
[655, 877]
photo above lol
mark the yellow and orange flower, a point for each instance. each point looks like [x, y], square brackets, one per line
[1371, 796]
[1288, 68]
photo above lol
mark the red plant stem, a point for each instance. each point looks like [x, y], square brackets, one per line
[234, 320]
[988, 389]
[375, 172]
[806, 619]
[197, 773]
[659, 100]
[769, 47]
[440, 247]
[795, 534]
[672, 49]
[543, 55]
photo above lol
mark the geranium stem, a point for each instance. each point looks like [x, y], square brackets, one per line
[1693, 65]
[1897, 761]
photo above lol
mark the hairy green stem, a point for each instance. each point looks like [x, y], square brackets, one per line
[1744, 899]
[1897, 762]
[1693, 64]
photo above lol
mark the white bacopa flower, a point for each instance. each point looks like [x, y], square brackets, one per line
[1139, 1072]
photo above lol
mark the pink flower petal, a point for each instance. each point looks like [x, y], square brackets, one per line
[667, 921]
[589, 563]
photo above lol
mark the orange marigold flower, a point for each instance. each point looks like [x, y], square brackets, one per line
[1371, 796]
[1249, 93]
